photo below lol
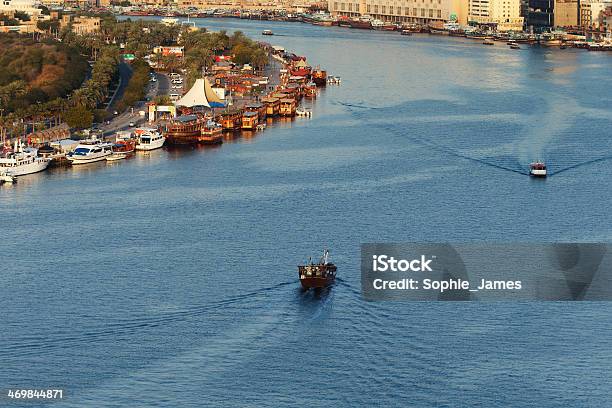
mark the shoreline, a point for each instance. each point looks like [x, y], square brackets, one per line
[553, 41]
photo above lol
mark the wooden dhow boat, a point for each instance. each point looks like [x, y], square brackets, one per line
[317, 275]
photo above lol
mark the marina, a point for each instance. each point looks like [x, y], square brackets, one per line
[197, 121]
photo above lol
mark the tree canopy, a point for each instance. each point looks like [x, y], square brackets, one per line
[32, 73]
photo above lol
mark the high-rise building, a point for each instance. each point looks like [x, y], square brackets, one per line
[403, 11]
[541, 14]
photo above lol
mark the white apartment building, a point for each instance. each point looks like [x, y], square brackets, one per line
[592, 13]
[28, 6]
[505, 14]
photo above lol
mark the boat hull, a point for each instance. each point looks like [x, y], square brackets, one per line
[362, 25]
[117, 156]
[315, 282]
[538, 173]
[31, 168]
[317, 276]
[151, 146]
[211, 137]
[87, 160]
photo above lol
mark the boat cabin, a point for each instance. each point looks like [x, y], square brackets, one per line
[231, 120]
[250, 120]
[310, 90]
[294, 90]
[287, 107]
[260, 108]
[272, 106]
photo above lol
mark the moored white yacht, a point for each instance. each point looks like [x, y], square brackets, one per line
[148, 139]
[22, 160]
[90, 151]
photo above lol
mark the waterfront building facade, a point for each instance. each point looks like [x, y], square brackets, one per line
[567, 13]
[592, 13]
[541, 14]
[233, 4]
[504, 14]
[402, 11]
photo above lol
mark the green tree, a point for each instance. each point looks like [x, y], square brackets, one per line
[79, 117]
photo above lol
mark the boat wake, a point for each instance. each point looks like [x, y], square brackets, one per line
[582, 164]
[510, 164]
[351, 105]
[32, 345]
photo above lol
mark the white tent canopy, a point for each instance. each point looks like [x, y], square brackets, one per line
[200, 94]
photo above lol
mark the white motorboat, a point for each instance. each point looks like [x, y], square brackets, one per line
[7, 177]
[148, 139]
[22, 160]
[301, 111]
[117, 156]
[537, 169]
[90, 151]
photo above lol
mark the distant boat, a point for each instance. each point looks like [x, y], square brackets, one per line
[301, 111]
[488, 42]
[406, 32]
[319, 76]
[537, 169]
[117, 156]
[267, 32]
[333, 80]
[90, 151]
[364, 22]
[149, 139]
[212, 133]
[317, 275]
[515, 47]
[7, 177]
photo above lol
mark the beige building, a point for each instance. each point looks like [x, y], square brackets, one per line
[402, 11]
[592, 13]
[27, 6]
[81, 25]
[505, 14]
[24, 27]
[567, 13]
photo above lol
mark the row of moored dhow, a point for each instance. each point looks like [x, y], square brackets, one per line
[207, 126]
